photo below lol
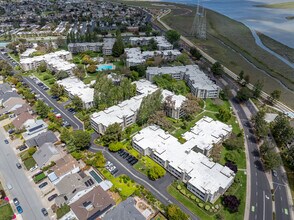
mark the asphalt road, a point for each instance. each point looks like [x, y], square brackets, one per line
[158, 188]
[282, 207]
[22, 188]
[67, 116]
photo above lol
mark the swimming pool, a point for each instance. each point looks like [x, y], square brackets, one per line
[95, 176]
[102, 67]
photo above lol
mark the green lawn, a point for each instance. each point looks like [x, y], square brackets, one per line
[39, 177]
[144, 164]
[29, 163]
[191, 205]
[24, 155]
[6, 212]
[64, 209]
[122, 184]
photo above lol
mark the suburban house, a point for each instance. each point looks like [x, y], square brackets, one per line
[45, 154]
[21, 119]
[72, 187]
[86, 46]
[93, 205]
[42, 138]
[33, 128]
[63, 167]
[199, 83]
[129, 210]
[11, 104]
[205, 178]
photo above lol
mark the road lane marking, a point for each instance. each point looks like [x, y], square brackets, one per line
[263, 205]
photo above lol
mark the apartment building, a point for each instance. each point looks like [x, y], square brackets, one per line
[162, 43]
[87, 46]
[136, 57]
[204, 178]
[125, 113]
[107, 46]
[57, 61]
[75, 87]
[199, 83]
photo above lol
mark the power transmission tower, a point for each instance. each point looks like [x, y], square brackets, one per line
[199, 24]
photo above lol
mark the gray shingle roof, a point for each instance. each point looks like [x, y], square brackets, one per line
[45, 137]
[44, 154]
[126, 210]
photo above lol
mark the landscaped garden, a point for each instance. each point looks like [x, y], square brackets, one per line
[27, 158]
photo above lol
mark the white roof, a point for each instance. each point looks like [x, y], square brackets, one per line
[160, 40]
[205, 174]
[198, 78]
[177, 99]
[28, 52]
[78, 88]
[207, 132]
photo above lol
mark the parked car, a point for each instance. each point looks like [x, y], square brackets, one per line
[18, 165]
[50, 198]
[44, 211]
[6, 141]
[22, 147]
[15, 202]
[19, 209]
[34, 168]
[125, 155]
[42, 185]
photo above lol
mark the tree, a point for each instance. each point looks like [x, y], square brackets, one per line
[282, 131]
[257, 89]
[152, 44]
[217, 69]
[99, 160]
[155, 172]
[231, 202]
[42, 109]
[87, 59]
[57, 90]
[114, 147]
[269, 157]
[275, 95]
[224, 114]
[149, 105]
[190, 106]
[78, 103]
[241, 76]
[64, 135]
[246, 80]
[118, 46]
[288, 156]
[184, 59]
[244, 94]
[112, 134]
[232, 166]
[79, 72]
[61, 75]
[260, 125]
[172, 36]
[42, 67]
[91, 68]
[195, 53]
[5, 68]
[173, 212]
[226, 93]
[159, 118]
[80, 139]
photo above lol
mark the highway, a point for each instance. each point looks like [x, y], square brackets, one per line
[67, 116]
[22, 188]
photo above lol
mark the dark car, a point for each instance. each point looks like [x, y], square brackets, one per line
[18, 165]
[19, 209]
[71, 110]
[54, 97]
[50, 198]
[131, 158]
[6, 141]
[120, 151]
[128, 157]
[134, 161]
[44, 211]
[23, 147]
[42, 185]
[15, 202]
[125, 155]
